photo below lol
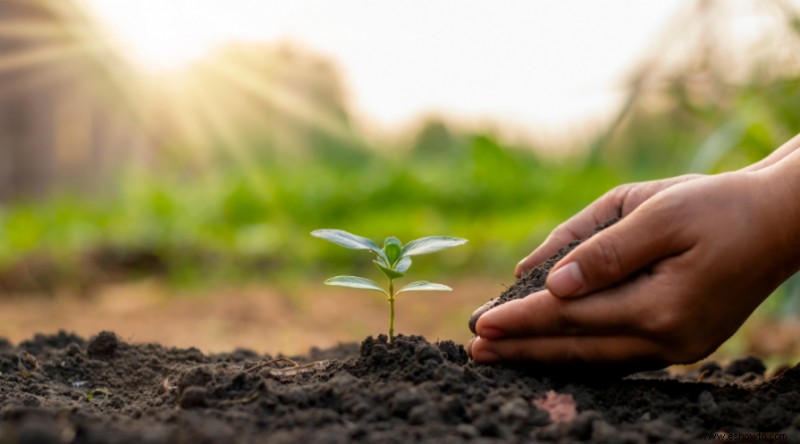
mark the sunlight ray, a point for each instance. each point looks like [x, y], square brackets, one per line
[181, 119]
[210, 113]
[283, 100]
[38, 29]
[40, 56]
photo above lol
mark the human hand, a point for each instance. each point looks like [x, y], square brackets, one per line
[610, 207]
[617, 203]
[667, 284]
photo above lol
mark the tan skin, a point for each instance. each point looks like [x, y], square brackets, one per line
[691, 259]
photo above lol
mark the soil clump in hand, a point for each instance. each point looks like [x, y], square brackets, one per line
[532, 280]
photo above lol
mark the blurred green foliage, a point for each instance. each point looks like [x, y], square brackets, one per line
[503, 199]
[249, 216]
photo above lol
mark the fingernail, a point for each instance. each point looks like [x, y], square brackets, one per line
[490, 333]
[566, 281]
[486, 356]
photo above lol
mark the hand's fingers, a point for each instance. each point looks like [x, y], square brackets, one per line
[618, 202]
[468, 347]
[578, 227]
[542, 314]
[571, 351]
[631, 245]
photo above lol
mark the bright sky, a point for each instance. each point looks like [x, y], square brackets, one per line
[549, 66]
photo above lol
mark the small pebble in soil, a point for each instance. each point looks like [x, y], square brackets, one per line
[193, 397]
[196, 376]
[104, 345]
[710, 368]
[746, 365]
[707, 403]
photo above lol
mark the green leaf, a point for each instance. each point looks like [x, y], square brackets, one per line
[383, 260]
[347, 240]
[97, 393]
[392, 247]
[355, 282]
[425, 286]
[431, 244]
[389, 272]
[403, 264]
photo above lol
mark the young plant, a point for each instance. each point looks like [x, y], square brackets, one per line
[393, 260]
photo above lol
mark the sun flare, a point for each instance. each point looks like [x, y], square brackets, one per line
[158, 36]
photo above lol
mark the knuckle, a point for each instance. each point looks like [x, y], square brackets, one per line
[562, 231]
[617, 196]
[618, 191]
[667, 204]
[662, 323]
[638, 196]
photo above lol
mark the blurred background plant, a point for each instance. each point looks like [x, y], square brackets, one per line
[208, 178]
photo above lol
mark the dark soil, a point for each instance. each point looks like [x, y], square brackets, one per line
[532, 280]
[63, 389]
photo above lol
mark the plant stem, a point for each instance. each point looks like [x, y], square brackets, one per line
[391, 310]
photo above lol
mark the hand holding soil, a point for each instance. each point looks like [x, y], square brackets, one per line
[691, 259]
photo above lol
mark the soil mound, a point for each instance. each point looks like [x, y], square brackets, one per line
[64, 389]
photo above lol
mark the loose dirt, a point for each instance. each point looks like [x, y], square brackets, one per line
[532, 280]
[65, 389]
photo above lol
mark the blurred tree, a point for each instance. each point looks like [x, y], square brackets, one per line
[436, 140]
[63, 115]
[251, 102]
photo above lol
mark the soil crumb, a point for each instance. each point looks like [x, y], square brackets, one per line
[407, 390]
[103, 345]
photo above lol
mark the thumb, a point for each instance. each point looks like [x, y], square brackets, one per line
[610, 256]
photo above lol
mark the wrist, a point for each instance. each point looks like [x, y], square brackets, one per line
[782, 182]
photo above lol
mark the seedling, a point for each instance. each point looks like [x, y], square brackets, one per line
[101, 394]
[394, 260]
